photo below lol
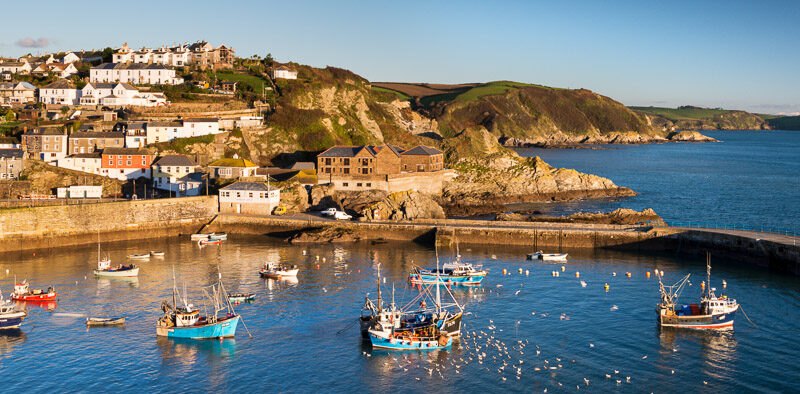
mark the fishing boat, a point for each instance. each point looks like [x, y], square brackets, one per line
[104, 267]
[198, 237]
[156, 254]
[219, 236]
[209, 242]
[553, 256]
[241, 297]
[534, 255]
[143, 256]
[187, 322]
[711, 313]
[455, 273]
[22, 293]
[104, 321]
[275, 270]
[10, 318]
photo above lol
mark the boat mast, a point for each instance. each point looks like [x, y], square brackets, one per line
[380, 307]
[708, 275]
[438, 279]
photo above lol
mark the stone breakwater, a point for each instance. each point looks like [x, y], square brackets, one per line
[54, 226]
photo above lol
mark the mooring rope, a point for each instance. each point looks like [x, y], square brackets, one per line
[348, 326]
[745, 315]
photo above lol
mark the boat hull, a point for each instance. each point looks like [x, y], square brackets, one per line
[553, 257]
[118, 274]
[98, 322]
[384, 342]
[279, 274]
[467, 280]
[12, 320]
[35, 297]
[199, 237]
[722, 321]
[221, 329]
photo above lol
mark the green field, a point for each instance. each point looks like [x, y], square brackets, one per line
[678, 114]
[255, 83]
[386, 94]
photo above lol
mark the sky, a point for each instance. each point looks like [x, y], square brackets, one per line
[730, 54]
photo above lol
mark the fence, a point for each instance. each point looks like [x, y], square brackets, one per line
[722, 226]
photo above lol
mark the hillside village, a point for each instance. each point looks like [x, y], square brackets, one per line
[173, 122]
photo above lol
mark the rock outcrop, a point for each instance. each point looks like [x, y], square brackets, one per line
[407, 205]
[325, 235]
[620, 216]
[690, 136]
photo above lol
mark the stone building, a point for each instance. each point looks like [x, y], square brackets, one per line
[45, 143]
[389, 168]
[11, 163]
[90, 141]
[253, 198]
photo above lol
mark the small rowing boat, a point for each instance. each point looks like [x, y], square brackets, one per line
[104, 267]
[553, 256]
[104, 321]
[209, 242]
[198, 237]
[241, 297]
[144, 256]
[534, 255]
[219, 236]
[156, 254]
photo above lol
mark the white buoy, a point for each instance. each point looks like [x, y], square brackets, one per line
[724, 283]
[527, 272]
[583, 284]
[613, 274]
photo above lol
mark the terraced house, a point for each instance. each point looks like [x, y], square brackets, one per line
[125, 163]
[11, 163]
[90, 141]
[178, 175]
[135, 73]
[45, 143]
[387, 167]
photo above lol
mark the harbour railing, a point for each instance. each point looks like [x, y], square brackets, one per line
[721, 226]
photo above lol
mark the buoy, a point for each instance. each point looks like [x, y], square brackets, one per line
[504, 271]
[606, 287]
[647, 274]
[703, 285]
[359, 271]
[724, 283]
[384, 280]
[527, 272]
[628, 274]
[520, 270]
[613, 274]
[655, 272]
[317, 266]
[577, 274]
[563, 268]
[323, 259]
[662, 272]
[557, 274]
[34, 253]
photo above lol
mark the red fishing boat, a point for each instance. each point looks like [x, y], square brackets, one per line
[22, 293]
[210, 242]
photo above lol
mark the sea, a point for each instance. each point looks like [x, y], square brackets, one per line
[524, 329]
[750, 179]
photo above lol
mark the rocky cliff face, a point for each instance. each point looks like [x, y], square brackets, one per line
[408, 205]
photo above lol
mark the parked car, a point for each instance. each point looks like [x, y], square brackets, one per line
[279, 211]
[329, 212]
[340, 215]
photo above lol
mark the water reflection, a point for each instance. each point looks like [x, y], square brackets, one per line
[717, 348]
[9, 339]
[49, 305]
[106, 282]
[191, 351]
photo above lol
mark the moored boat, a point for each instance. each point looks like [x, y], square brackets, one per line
[219, 236]
[156, 254]
[198, 237]
[456, 273]
[209, 242]
[553, 256]
[241, 297]
[534, 255]
[414, 339]
[187, 322]
[22, 293]
[275, 270]
[104, 321]
[711, 313]
[10, 317]
[143, 256]
[104, 267]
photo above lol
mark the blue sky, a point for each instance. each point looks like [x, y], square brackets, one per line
[732, 54]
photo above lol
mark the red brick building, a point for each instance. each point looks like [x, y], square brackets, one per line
[125, 163]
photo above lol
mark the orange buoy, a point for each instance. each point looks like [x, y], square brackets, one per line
[317, 266]
[577, 274]
[648, 274]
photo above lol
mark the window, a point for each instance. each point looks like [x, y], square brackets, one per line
[346, 170]
[358, 184]
[250, 195]
[129, 163]
[369, 184]
[238, 194]
[110, 162]
[327, 170]
[347, 162]
[345, 184]
[327, 161]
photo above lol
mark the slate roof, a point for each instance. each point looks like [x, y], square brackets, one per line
[193, 177]
[351, 151]
[250, 186]
[97, 134]
[131, 66]
[125, 151]
[93, 155]
[201, 120]
[110, 85]
[60, 84]
[175, 160]
[11, 153]
[47, 130]
[423, 150]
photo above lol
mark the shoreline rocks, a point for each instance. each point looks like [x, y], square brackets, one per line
[622, 216]
[324, 235]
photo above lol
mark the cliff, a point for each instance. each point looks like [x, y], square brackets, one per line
[698, 118]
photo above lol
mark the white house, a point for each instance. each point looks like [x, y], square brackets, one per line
[178, 175]
[119, 95]
[194, 127]
[21, 68]
[135, 73]
[70, 57]
[77, 191]
[59, 69]
[17, 93]
[135, 133]
[164, 131]
[249, 198]
[284, 72]
[85, 162]
[60, 92]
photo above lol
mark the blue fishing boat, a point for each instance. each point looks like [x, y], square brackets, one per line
[187, 322]
[456, 273]
[711, 313]
[10, 318]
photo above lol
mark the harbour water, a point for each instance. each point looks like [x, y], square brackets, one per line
[304, 339]
[750, 178]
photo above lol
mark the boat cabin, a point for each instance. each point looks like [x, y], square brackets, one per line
[186, 317]
[21, 288]
[103, 264]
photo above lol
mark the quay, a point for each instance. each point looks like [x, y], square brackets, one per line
[41, 228]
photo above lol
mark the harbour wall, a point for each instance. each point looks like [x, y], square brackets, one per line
[737, 247]
[64, 225]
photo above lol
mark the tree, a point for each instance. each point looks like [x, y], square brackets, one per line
[268, 60]
[108, 55]
[10, 116]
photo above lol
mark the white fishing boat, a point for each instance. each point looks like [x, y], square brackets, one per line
[144, 256]
[104, 267]
[219, 236]
[275, 270]
[199, 237]
[553, 256]
[10, 318]
[156, 254]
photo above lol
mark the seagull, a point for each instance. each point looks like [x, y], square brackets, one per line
[673, 371]
[517, 292]
[608, 376]
[628, 379]
[586, 380]
[616, 372]
[645, 356]
[591, 345]
[704, 382]
[324, 290]
[613, 308]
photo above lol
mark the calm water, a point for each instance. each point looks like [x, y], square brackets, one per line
[750, 178]
[297, 345]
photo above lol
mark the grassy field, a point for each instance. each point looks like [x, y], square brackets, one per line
[388, 94]
[255, 83]
[784, 122]
[677, 114]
